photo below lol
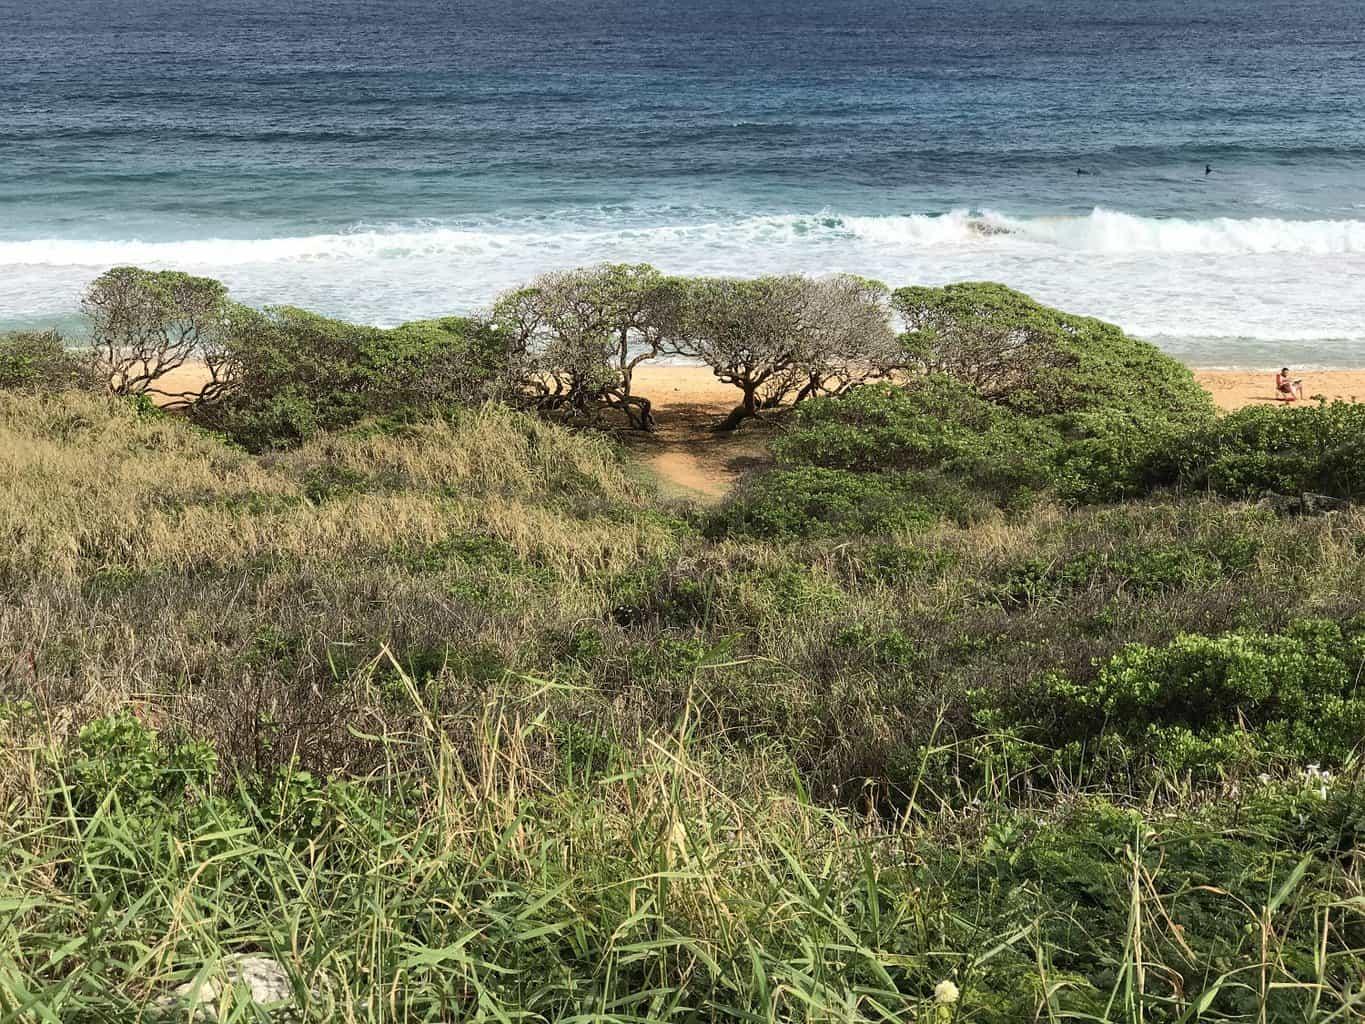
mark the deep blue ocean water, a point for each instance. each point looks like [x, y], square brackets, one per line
[389, 160]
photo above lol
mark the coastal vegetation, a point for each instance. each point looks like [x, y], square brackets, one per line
[1008, 689]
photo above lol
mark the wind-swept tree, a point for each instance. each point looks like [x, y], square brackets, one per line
[585, 331]
[144, 324]
[1013, 350]
[990, 337]
[753, 335]
[789, 337]
[640, 308]
[851, 340]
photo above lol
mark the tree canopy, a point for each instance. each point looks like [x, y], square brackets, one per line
[145, 323]
[581, 334]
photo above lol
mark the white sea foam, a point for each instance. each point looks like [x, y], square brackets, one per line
[1234, 291]
[1116, 232]
[1101, 230]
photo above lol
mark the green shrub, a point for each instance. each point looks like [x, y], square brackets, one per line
[1203, 704]
[120, 758]
[816, 502]
[39, 361]
[1015, 400]
[1135, 568]
[894, 564]
[936, 424]
[883, 458]
[295, 373]
[1318, 449]
[1041, 361]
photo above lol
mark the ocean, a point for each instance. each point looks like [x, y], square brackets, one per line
[385, 160]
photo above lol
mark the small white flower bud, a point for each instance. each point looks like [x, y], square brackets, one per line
[945, 992]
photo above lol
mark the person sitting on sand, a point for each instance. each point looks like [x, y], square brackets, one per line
[1287, 390]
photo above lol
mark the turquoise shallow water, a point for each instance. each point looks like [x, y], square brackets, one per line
[400, 159]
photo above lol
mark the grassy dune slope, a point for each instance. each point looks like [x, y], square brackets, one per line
[459, 722]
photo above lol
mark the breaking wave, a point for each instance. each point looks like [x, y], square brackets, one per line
[1113, 231]
[1101, 230]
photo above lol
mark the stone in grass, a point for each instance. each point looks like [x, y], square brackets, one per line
[1304, 504]
[258, 978]
[1317, 504]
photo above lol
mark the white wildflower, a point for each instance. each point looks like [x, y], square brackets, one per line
[1315, 776]
[946, 992]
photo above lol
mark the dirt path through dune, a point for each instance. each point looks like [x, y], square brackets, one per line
[685, 452]
[692, 459]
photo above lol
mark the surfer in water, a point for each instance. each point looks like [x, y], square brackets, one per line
[1207, 170]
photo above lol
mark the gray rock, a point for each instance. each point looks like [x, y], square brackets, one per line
[259, 978]
[1317, 504]
[1304, 504]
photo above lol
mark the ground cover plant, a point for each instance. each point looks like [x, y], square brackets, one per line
[435, 703]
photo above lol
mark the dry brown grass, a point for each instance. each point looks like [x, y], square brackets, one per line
[87, 483]
[149, 565]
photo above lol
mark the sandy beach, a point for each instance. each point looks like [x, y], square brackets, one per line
[669, 386]
[672, 387]
[1233, 389]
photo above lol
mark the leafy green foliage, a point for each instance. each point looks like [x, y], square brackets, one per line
[293, 373]
[1043, 362]
[146, 323]
[1015, 400]
[1203, 704]
[119, 758]
[816, 502]
[1140, 569]
[1319, 449]
[37, 361]
[935, 449]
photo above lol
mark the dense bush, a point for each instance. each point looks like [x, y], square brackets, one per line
[884, 458]
[813, 501]
[937, 424]
[40, 361]
[285, 374]
[1015, 400]
[120, 759]
[1041, 361]
[941, 446]
[1202, 704]
[1319, 449]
